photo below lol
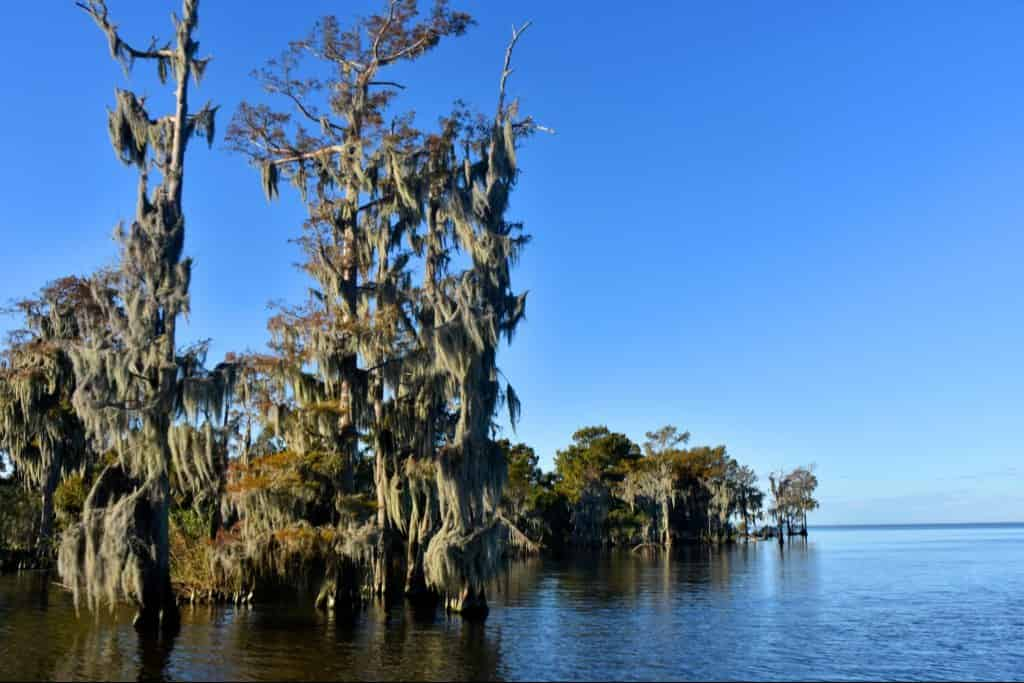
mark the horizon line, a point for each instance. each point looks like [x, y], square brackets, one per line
[903, 524]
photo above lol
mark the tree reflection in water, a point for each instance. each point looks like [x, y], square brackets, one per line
[726, 612]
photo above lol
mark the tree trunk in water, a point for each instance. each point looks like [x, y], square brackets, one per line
[415, 578]
[44, 542]
[382, 569]
[382, 558]
[468, 602]
[159, 609]
[421, 530]
[666, 533]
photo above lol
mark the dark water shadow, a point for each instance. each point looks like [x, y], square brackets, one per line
[155, 655]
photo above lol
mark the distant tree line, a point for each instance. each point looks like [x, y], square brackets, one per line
[608, 491]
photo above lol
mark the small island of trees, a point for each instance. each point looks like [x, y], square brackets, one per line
[358, 456]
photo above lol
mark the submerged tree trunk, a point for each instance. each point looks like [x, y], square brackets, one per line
[159, 608]
[415, 574]
[44, 541]
[666, 524]
[469, 602]
[383, 554]
[421, 521]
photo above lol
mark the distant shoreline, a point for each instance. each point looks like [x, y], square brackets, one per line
[812, 527]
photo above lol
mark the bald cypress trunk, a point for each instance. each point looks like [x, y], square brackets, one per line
[158, 608]
[44, 544]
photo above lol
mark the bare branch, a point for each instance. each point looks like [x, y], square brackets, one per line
[119, 49]
[374, 51]
[507, 69]
[292, 156]
[309, 115]
[406, 51]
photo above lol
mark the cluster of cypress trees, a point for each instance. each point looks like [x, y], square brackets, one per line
[607, 491]
[360, 448]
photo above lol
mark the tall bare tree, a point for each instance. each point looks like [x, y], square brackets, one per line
[134, 387]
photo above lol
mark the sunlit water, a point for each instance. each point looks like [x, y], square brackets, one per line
[893, 603]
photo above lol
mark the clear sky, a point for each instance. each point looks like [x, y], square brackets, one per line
[793, 228]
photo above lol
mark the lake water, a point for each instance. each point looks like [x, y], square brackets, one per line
[850, 603]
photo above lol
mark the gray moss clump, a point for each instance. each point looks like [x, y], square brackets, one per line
[108, 557]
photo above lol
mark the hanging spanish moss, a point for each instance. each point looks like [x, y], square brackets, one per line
[107, 557]
[520, 514]
[39, 430]
[288, 498]
[652, 486]
[474, 311]
[136, 393]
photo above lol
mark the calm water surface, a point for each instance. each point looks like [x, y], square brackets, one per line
[855, 603]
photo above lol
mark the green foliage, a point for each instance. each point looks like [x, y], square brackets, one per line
[192, 554]
[663, 440]
[604, 492]
[19, 516]
[588, 472]
[553, 514]
[194, 524]
[524, 474]
[625, 526]
[69, 499]
[596, 454]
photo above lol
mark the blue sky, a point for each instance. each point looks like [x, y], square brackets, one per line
[788, 227]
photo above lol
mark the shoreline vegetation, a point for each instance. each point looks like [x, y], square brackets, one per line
[358, 456]
[601, 495]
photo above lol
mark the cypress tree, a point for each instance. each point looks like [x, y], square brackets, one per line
[137, 394]
[410, 370]
[39, 429]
